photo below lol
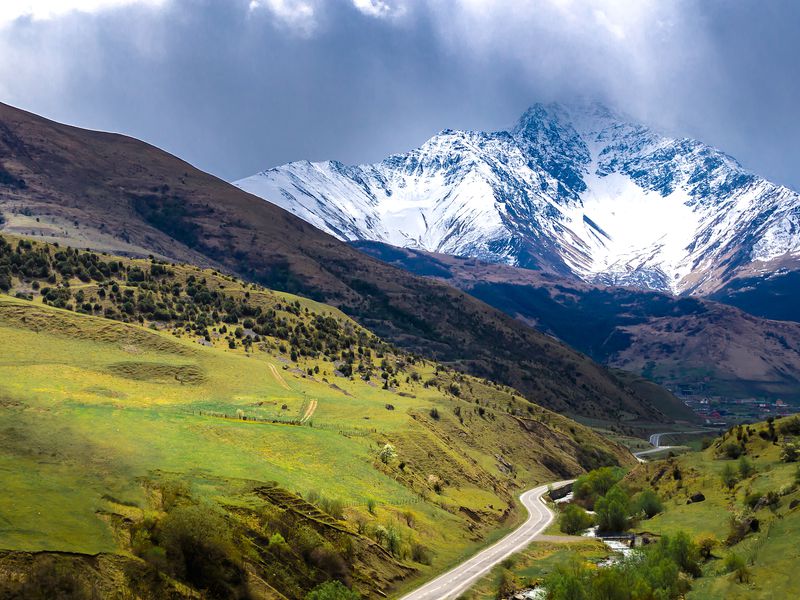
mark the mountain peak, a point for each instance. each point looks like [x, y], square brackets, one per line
[583, 115]
[574, 188]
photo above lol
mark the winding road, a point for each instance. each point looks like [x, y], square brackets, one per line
[655, 441]
[458, 579]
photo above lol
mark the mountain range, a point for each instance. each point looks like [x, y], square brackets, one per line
[576, 190]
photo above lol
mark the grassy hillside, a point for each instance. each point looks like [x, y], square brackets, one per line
[750, 507]
[110, 192]
[151, 408]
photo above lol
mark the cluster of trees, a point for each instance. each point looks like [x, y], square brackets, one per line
[662, 570]
[151, 292]
[614, 506]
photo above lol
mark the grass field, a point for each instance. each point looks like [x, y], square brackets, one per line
[94, 411]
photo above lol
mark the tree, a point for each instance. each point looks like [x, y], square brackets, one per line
[613, 510]
[587, 488]
[332, 590]
[574, 520]
[387, 453]
[647, 502]
[569, 581]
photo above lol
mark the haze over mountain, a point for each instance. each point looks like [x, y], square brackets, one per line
[575, 189]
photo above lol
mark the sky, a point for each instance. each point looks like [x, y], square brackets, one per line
[238, 86]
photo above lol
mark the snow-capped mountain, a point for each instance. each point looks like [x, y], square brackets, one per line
[572, 189]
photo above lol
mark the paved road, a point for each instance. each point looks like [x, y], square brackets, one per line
[655, 439]
[457, 580]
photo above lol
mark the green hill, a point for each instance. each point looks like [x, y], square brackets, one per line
[750, 485]
[166, 430]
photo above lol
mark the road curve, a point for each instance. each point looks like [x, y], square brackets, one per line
[458, 579]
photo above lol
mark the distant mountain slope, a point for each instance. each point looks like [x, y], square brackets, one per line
[688, 342]
[112, 192]
[771, 295]
[575, 190]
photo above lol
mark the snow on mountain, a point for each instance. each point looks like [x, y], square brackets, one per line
[573, 189]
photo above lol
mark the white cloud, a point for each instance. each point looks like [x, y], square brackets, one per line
[298, 15]
[38, 10]
[379, 8]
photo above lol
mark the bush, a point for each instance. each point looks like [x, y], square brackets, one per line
[332, 590]
[728, 476]
[574, 520]
[751, 500]
[736, 564]
[200, 548]
[790, 452]
[421, 554]
[706, 542]
[387, 453]
[47, 580]
[507, 584]
[746, 468]
[655, 573]
[648, 502]
[732, 450]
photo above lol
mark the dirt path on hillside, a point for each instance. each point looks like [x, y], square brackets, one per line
[278, 377]
[309, 411]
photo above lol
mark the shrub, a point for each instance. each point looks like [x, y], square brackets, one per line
[200, 548]
[732, 450]
[332, 590]
[574, 520]
[706, 542]
[746, 468]
[790, 452]
[421, 554]
[434, 414]
[47, 580]
[751, 500]
[736, 564]
[507, 584]
[728, 476]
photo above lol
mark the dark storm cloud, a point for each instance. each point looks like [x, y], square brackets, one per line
[237, 86]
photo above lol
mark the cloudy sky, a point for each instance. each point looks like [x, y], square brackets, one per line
[236, 86]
